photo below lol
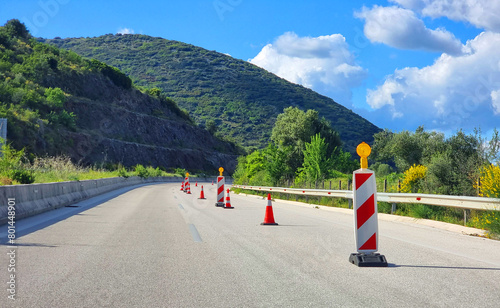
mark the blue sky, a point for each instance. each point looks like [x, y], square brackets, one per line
[398, 63]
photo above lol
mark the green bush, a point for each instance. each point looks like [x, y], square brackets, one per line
[154, 172]
[22, 176]
[491, 222]
[141, 171]
[122, 172]
[55, 97]
[421, 211]
[63, 118]
[116, 76]
[384, 207]
[180, 171]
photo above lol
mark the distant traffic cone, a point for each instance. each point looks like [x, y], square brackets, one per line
[228, 201]
[212, 183]
[188, 190]
[202, 195]
[196, 183]
[269, 218]
[182, 186]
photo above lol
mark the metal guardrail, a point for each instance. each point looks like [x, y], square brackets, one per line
[463, 202]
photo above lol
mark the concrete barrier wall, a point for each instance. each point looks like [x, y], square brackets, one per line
[33, 199]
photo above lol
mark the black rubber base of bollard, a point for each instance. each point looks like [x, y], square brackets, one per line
[368, 260]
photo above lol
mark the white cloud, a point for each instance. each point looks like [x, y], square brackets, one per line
[483, 14]
[322, 63]
[455, 91]
[125, 31]
[401, 28]
[495, 101]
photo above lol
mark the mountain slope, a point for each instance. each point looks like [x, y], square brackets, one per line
[241, 98]
[58, 103]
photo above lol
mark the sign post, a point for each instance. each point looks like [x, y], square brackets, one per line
[365, 214]
[220, 188]
[186, 182]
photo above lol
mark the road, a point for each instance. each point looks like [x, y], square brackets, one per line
[155, 246]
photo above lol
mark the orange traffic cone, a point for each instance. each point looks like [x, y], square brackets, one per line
[196, 183]
[228, 201]
[202, 195]
[212, 182]
[269, 218]
[182, 186]
[188, 189]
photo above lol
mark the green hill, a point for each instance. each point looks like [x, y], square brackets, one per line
[57, 103]
[241, 99]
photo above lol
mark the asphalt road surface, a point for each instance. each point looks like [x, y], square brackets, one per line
[155, 246]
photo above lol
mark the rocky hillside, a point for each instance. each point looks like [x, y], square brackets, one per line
[59, 103]
[239, 100]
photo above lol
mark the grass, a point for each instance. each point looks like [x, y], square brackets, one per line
[61, 169]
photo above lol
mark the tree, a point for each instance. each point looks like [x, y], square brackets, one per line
[55, 97]
[493, 148]
[211, 126]
[294, 128]
[275, 163]
[343, 162]
[317, 163]
[17, 29]
[464, 154]
[331, 136]
[406, 149]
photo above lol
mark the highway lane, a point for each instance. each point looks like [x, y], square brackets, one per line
[155, 246]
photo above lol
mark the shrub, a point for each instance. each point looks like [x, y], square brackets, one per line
[141, 171]
[490, 181]
[489, 186]
[55, 97]
[421, 211]
[152, 172]
[63, 118]
[22, 176]
[382, 169]
[5, 180]
[334, 174]
[122, 172]
[490, 221]
[413, 179]
[180, 171]
[114, 74]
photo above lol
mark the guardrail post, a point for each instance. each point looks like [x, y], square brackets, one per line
[349, 202]
[393, 208]
[465, 217]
